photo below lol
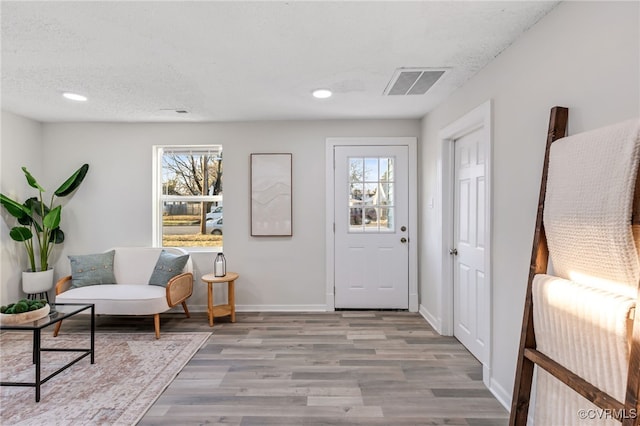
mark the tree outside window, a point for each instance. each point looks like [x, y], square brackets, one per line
[190, 199]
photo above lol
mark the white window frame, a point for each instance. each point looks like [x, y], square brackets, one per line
[378, 207]
[158, 198]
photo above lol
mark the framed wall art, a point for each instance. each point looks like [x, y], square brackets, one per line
[271, 206]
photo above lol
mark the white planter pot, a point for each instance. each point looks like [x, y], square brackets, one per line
[37, 282]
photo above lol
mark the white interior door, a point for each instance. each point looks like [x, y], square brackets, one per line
[469, 306]
[371, 227]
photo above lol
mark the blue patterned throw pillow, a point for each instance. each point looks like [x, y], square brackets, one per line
[92, 269]
[168, 266]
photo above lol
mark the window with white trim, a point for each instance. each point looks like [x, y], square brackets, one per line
[371, 194]
[188, 196]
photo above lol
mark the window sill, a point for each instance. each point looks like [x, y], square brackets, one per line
[203, 249]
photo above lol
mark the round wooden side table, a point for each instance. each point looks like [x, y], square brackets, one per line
[221, 310]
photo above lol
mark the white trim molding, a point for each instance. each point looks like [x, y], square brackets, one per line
[412, 144]
[259, 308]
[281, 308]
[504, 397]
[477, 119]
[433, 321]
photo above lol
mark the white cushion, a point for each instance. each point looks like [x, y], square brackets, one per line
[119, 299]
[134, 265]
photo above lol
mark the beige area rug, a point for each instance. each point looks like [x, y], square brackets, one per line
[130, 372]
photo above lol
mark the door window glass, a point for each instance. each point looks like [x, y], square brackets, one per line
[371, 194]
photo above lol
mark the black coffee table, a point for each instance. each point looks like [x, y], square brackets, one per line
[70, 309]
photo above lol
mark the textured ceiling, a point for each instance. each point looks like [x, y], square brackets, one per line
[236, 61]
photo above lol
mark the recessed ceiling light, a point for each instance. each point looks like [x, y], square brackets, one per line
[74, 97]
[322, 93]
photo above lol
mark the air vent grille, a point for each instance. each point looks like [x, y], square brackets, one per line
[176, 110]
[412, 81]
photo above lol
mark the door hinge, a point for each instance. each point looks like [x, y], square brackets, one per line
[334, 227]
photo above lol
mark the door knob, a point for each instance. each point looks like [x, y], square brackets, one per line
[403, 240]
[453, 251]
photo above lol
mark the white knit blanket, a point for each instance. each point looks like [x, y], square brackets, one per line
[584, 329]
[581, 318]
[588, 207]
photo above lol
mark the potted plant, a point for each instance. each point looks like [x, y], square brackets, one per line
[40, 221]
[24, 310]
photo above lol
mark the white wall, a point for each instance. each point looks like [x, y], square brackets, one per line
[20, 145]
[113, 206]
[583, 55]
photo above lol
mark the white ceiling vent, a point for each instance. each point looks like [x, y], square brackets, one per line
[412, 81]
[176, 110]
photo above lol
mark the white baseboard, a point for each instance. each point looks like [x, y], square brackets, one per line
[501, 394]
[486, 375]
[431, 319]
[282, 308]
[259, 308]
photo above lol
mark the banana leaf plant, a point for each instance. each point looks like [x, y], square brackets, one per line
[40, 220]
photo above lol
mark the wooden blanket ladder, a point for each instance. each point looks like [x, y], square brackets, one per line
[627, 411]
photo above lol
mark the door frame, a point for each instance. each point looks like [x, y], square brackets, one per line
[412, 144]
[478, 118]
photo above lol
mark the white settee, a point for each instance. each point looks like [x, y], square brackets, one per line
[131, 293]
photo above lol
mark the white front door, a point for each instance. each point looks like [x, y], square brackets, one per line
[371, 227]
[469, 289]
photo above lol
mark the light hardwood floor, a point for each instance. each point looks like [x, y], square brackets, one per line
[338, 368]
